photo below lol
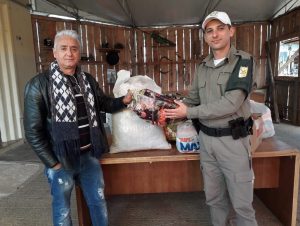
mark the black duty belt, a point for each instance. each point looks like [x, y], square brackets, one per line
[220, 132]
[215, 132]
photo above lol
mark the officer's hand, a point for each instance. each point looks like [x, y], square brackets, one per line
[128, 98]
[179, 112]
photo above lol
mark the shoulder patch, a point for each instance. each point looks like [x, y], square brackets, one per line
[241, 77]
[243, 71]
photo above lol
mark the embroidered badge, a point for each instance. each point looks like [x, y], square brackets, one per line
[243, 72]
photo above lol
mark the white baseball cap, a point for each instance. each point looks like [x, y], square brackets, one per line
[216, 15]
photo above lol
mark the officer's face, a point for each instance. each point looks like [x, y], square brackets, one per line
[67, 53]
[217, 35]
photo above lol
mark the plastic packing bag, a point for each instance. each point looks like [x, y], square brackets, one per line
[268, 127]
[150, 105]
[187, 138]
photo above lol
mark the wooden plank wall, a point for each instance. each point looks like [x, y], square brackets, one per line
[252, 37]
[172, 68]
[285, 27]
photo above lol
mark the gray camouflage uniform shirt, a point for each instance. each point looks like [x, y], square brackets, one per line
[207, 99]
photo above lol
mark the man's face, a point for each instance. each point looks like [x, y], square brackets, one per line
[67, 53]
[217, 35]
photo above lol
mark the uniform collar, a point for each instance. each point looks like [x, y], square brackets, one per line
[209, 60]
[232, 54]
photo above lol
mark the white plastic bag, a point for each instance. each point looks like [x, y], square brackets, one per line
[187, 139]
[268, 127]
[125, 82]
[129, 132]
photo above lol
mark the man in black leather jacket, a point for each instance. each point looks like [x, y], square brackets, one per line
[63, 126]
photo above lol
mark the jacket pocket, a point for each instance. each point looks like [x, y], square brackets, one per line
[202, 91]
[222, 82]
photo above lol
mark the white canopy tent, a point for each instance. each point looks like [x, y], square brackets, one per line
[146, 13]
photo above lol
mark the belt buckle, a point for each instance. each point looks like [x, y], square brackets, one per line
[218, 132]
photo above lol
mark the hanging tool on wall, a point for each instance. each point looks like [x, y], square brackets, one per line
[160, 61]
[161, 40]
[183, 72]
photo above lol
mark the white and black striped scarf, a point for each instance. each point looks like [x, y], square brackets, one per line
[64, 114]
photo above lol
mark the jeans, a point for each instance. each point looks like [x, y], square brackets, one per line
[88, 175]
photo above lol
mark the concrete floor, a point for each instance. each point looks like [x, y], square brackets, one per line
[26, 200]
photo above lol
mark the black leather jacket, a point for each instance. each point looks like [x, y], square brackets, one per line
[37, 116]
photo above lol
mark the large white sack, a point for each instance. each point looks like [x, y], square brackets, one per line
[129, 132]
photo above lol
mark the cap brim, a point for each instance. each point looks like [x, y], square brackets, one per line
[210, 19]
[207, 21]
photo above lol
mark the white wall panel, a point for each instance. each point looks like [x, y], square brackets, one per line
[11, 71]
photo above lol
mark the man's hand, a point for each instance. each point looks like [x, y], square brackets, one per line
[179, 112]
[57, 166]
[128, 98]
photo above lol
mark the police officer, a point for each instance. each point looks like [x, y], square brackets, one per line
[219, 101]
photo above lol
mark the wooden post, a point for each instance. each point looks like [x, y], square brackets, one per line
[272, 84]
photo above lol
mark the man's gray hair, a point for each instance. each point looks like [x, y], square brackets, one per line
[70, 33]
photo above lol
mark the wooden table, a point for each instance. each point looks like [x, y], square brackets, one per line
[275, 164]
